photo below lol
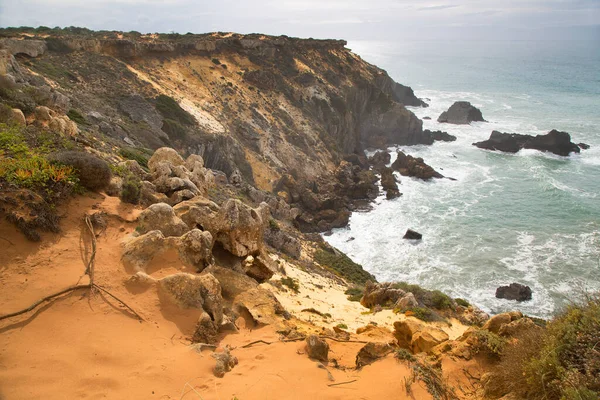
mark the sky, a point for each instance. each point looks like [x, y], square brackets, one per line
[342, 19]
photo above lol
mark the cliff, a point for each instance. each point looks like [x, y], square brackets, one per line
[262, 107]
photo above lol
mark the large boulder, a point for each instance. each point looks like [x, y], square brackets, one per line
[233, 283]
[195, 249]
[388, 182]
[261, 305]
[259, 267]
[140, 250]
[462, 113]
[514, 291]
[164, 154]
[371, 352]
[194, 291]
[240, 229]
[410, 166]
[381, 294]
[161, 216]
[495, 323]
[317, 348]
[440, 136]
[427, 338]
[554, 141]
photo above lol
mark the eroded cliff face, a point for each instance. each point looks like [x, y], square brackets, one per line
[263, 107]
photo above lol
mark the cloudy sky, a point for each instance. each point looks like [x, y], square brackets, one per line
[350, 19]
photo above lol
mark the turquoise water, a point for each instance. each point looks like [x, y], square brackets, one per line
[532, 218]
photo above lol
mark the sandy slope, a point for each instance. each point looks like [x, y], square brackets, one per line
[82, 347]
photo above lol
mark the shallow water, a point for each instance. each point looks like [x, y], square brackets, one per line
[529, 217]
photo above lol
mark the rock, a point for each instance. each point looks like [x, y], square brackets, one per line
[413, 235]
[240, 229]
[404, 331]
[427, 118]
[114, 186]
[317, 348]
[206, 331]
[43, 114]
[161, 217]
[380, 158]
[495, 323]
[283, 242]
[225, 362]
[461, 112]
[261, 304]
[180, 196]
[29, 47]
[411, 166]
[382, 294]
[190, 291]
[474, 316]
[259, 267]
[517, 327]
[195, 249]
[372, 352]
[164, 154]
[554, 141]
[583, 146]
[236, 178]
[141, 250]
[199, 212]
[514, 291]
[232, 283]
[194, 161]
[388, 182]
[17, 117]
[134, 168]
[407, 301]
[149, 195]
[427, 338]
[440, 136]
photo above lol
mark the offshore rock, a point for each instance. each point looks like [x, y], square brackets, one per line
[514, 291]
[554, 141]
[462, 113]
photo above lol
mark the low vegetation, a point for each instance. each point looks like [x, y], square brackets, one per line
[93, 173]
[354, 293]
[170, 109]
[428, 298]
[291, 283]
[560, 362]
[140, 155]
[343, 266]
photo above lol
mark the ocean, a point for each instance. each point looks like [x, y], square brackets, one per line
[530, 217]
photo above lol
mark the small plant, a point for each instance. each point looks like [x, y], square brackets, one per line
[131, 189]
[76, 116]
[291, 283]
[36, 172]
[342, 326]
[440, 300]
[274, 225]
[404, 355]
[462, 302]
[354, 293]
[140, 155]
[216, 61]
[170, 109]
[488, 343]
[422, 313]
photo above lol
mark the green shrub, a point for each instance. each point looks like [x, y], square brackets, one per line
[216, 61]
[170, 109]
[354, 293]
[440, 300]
[93, 173]
[131, 190]
[462, 302]
[12, 140]
[343, 266]
[342, 326]
[174, 129]
[428, 298]
[404, 355]
[274, 225]
[488, 343]
[140, 155]
[291, 283]
[76, 116]
[424, 314]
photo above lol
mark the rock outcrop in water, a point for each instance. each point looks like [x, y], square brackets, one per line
[461, 113]
[554, 141]
[514, 291]
[408, 165]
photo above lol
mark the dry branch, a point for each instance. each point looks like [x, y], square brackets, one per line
[91, 286]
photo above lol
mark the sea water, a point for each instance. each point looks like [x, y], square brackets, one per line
[530, 217]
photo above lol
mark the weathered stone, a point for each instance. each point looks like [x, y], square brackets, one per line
[317, 348]
[414, 235]
[372, 352]
[427, 338]
[382, 294]
[206, 331]
[225, 362]
[407, 301]
[496, 322]
[164, 154]
[114, 186]
[141, 250]
[17, 117]
[261, 304]
[410, 166]
[29, 47]
[195, 249]
[232, 283]
[260, 267]
[404, 331]
[161, 217]
[517, 327]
